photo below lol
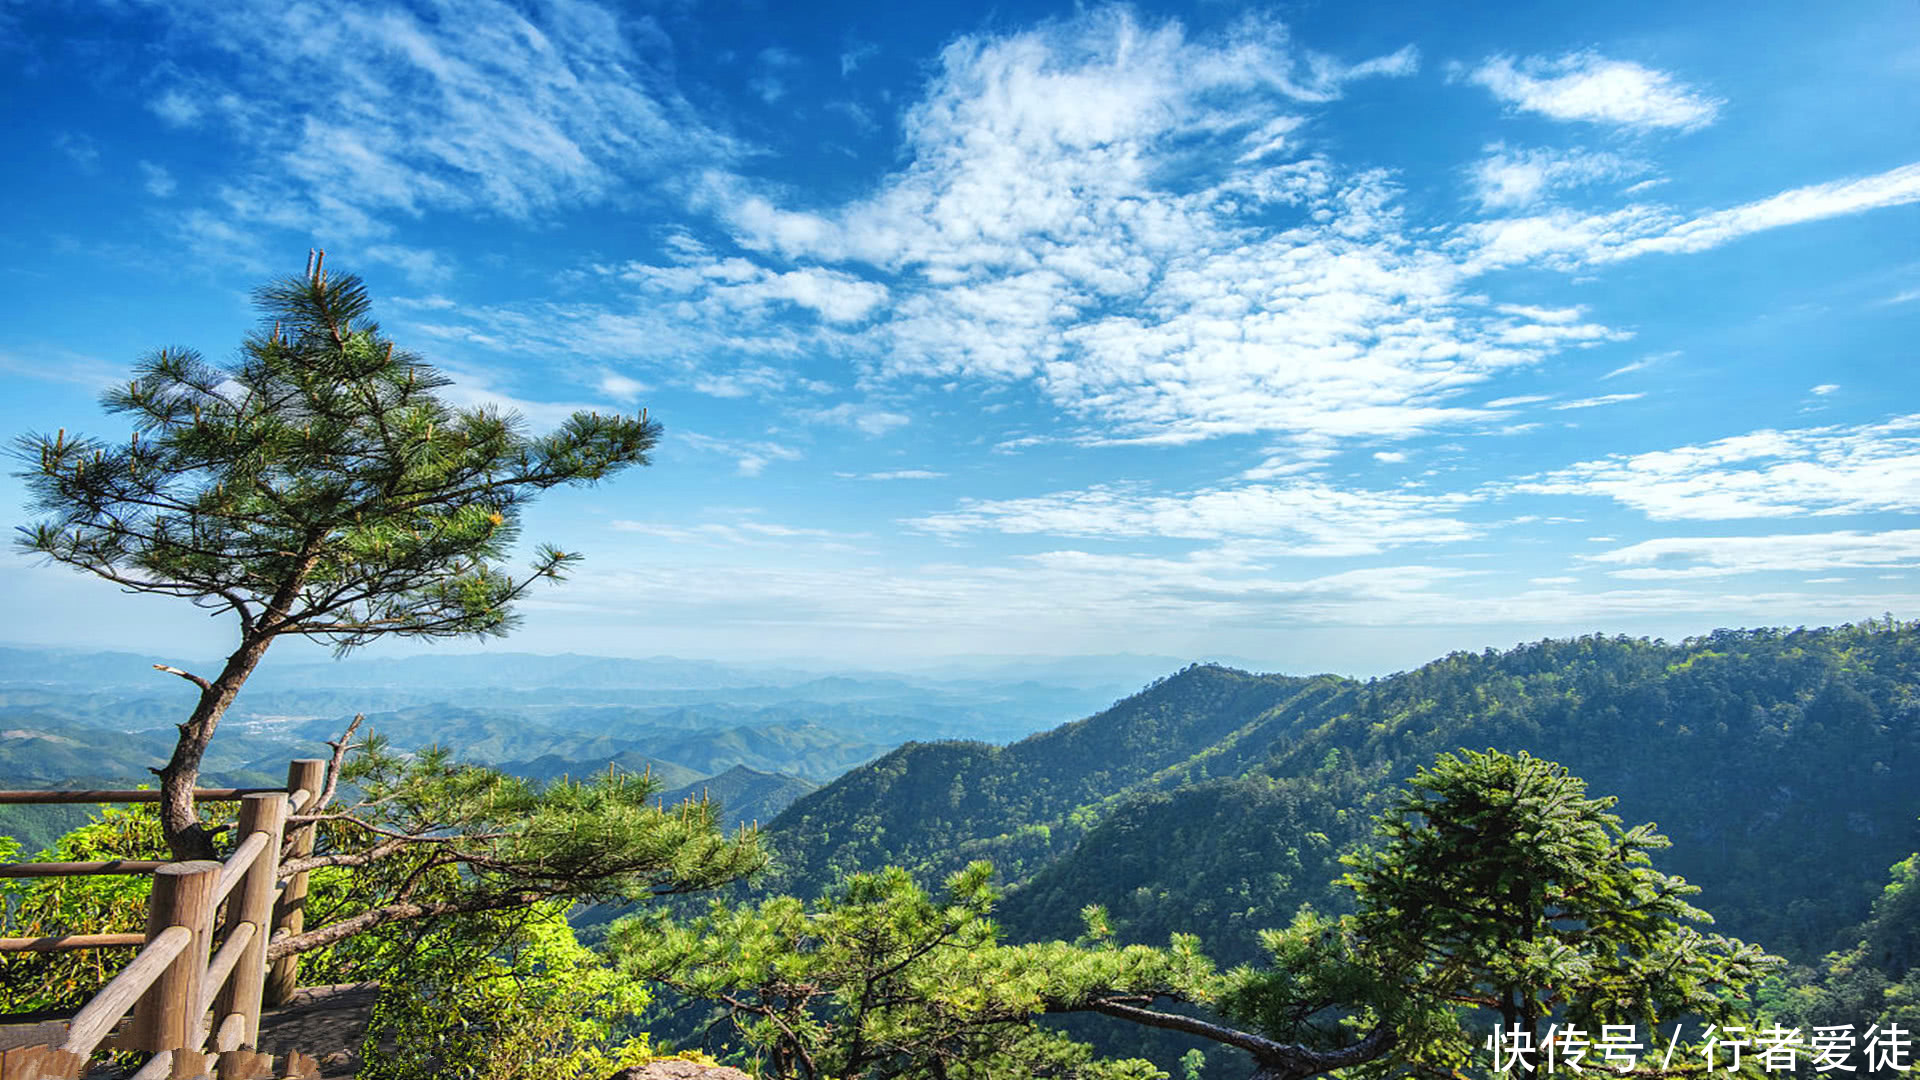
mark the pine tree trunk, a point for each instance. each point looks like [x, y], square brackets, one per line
[179, 816]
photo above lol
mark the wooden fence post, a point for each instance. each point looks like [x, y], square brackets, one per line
[254, 904]
[308, 774]
[164, 1019]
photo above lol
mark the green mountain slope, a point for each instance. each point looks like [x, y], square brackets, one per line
[1780, 763]
[934, 806]
[747, 796]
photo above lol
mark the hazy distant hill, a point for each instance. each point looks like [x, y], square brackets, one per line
[106, 718]
[748, 796]
[1780, 762]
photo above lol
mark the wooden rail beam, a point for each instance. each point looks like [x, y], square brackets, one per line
[68, 942]
[260, 815]
[182, 896]
[211, 794]
[92, 1023]
[303, 774]
[78, 869]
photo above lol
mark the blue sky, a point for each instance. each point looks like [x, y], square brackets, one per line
[1271, 331]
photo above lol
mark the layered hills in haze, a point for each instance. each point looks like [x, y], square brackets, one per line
[753, 737]
[1781, 763]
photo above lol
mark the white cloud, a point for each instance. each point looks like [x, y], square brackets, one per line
[80, 148]
[1390, 457]
[1507, 179]
[863, 418]
[895, 474]
[1641, 364]
[1824, 389]
[176, 108]
[854, 55]
[157, 180]
[1523, 399]
[422, 267]
[1569, 241]
[743, 532]
[1595, 402]
[1054, 224]
[1589, 87]
[61, 366]
[475, 386]
[1766, 474]
[1304, 517]
[769, 83]
[497, 112]
[1720, 556]
[620, 387]
[715, 289]
[750, 457]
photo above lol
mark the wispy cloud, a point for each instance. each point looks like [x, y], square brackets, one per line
[496, 112]
[1569, 240]
[1508, 179]
[894, 474]
[1595, 402]
[1305, 517]
[1767, 474]
[750, 457]
[1049, 228]
[1720, 556]
[54, 364]
[79, 148]
[742, 532]
[867, 419]
[1641, 364]
[1586, 86]
[158, 181]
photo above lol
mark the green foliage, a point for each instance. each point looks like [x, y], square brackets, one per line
[934, 807]
[1875, 981]
[1729, 741]
[884, 979]
[318, 486]
[429, 836]
[1500, 885]
[89, 904]
[502, 996]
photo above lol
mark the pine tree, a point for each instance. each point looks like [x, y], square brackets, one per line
[316, 487]
[1501, 886]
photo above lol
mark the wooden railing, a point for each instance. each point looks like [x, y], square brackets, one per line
[197, 977]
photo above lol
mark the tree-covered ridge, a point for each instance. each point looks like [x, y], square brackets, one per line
[1494, 888]
[1778, 760]
[934, 807]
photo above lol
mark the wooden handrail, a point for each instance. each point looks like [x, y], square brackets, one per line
[132, 795]
[94, 1021]
[289, 912]
[78, 869]
[158, 1067]
[235, 868]
[68, 942]
[222, 964]
[177, 975]
[245, 992]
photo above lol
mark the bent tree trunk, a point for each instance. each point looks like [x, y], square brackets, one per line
[179, 815]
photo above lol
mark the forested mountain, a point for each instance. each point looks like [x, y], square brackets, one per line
[1781, 763]
[746, 796]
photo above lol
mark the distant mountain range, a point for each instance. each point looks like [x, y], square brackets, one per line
[1781, 763]
[74, 718]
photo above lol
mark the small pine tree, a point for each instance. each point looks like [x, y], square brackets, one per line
[317, 487]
